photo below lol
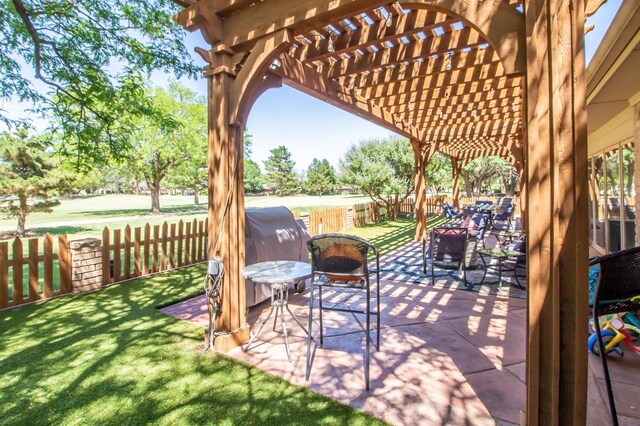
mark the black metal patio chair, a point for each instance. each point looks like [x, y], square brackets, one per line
[482, 226]
[502, 220]
[447, 246]
[518, 263]
[617, 291]
[342, 263]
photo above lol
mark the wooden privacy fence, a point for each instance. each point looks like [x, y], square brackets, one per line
[38, 274]
[146, 250]
[365, 213]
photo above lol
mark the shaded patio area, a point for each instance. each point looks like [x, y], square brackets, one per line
[447, 355]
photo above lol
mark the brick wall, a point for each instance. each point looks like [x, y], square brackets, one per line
[86, 261]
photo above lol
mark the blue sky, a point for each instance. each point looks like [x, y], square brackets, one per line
[310, 128]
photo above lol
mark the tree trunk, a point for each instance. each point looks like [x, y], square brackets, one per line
[196, 200]
[22, 215]
[468, 187]
[155, 199]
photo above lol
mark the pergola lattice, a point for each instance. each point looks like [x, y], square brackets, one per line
[468, 78]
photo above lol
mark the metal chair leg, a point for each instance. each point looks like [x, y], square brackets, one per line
[605, 367]
[306, 376]
[321, 327]
[379, 313]
[368, 343]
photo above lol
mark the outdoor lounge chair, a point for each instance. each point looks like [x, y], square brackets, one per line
[450, 212]
[341, 262]
[446, 245]
[502, 220]
[617, 291]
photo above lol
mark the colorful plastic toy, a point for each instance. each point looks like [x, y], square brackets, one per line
[615, 330]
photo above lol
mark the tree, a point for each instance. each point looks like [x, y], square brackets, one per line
[321, 177]
[438, 173]
[382, 169]
[280, 173]
[252, 172]
[28, 176]
[176, 148]
[484, 171]
[252, 176]
[88, 59]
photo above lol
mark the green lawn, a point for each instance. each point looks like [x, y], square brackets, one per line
[111, 358]
[87, 216]
[390, 235]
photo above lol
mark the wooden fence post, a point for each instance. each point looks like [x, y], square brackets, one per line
[4, 274]
[64, 264]
[47, 270]
[106, 252]
[17, 272]
[34, 291]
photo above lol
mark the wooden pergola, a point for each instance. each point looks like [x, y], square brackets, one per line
[467, 78]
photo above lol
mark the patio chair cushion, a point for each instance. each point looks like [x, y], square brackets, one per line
[343, 259]
[469, 223]
[450, 247]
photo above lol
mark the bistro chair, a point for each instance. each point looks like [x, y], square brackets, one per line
[341, 262]
[518, 263]
[483, 225]
[448, 246]
[502, 220]
[484, 202]
[618, 290]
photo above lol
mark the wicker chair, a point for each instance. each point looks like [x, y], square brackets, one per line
[445, 245]
[343, 262]
[618, 283]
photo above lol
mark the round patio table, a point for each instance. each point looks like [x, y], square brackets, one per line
[500, 255]
[278, 273]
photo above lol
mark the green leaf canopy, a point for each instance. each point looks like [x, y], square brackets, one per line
[82, 62]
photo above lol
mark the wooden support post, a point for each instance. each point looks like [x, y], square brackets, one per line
[557, 213]
[456, 168]
[522, 188]
[422, 154]
[226, 200]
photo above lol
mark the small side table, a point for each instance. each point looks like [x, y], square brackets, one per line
[278, 273]
[501, 255]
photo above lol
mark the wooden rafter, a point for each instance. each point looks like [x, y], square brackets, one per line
[449, 42]
[438, 87]
[418, 69]
[433, 80]
[305, 78]
[369, 35]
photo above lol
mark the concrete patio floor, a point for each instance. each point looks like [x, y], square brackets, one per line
[447, 355]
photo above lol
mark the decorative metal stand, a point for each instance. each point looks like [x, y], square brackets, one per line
[213, 283]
